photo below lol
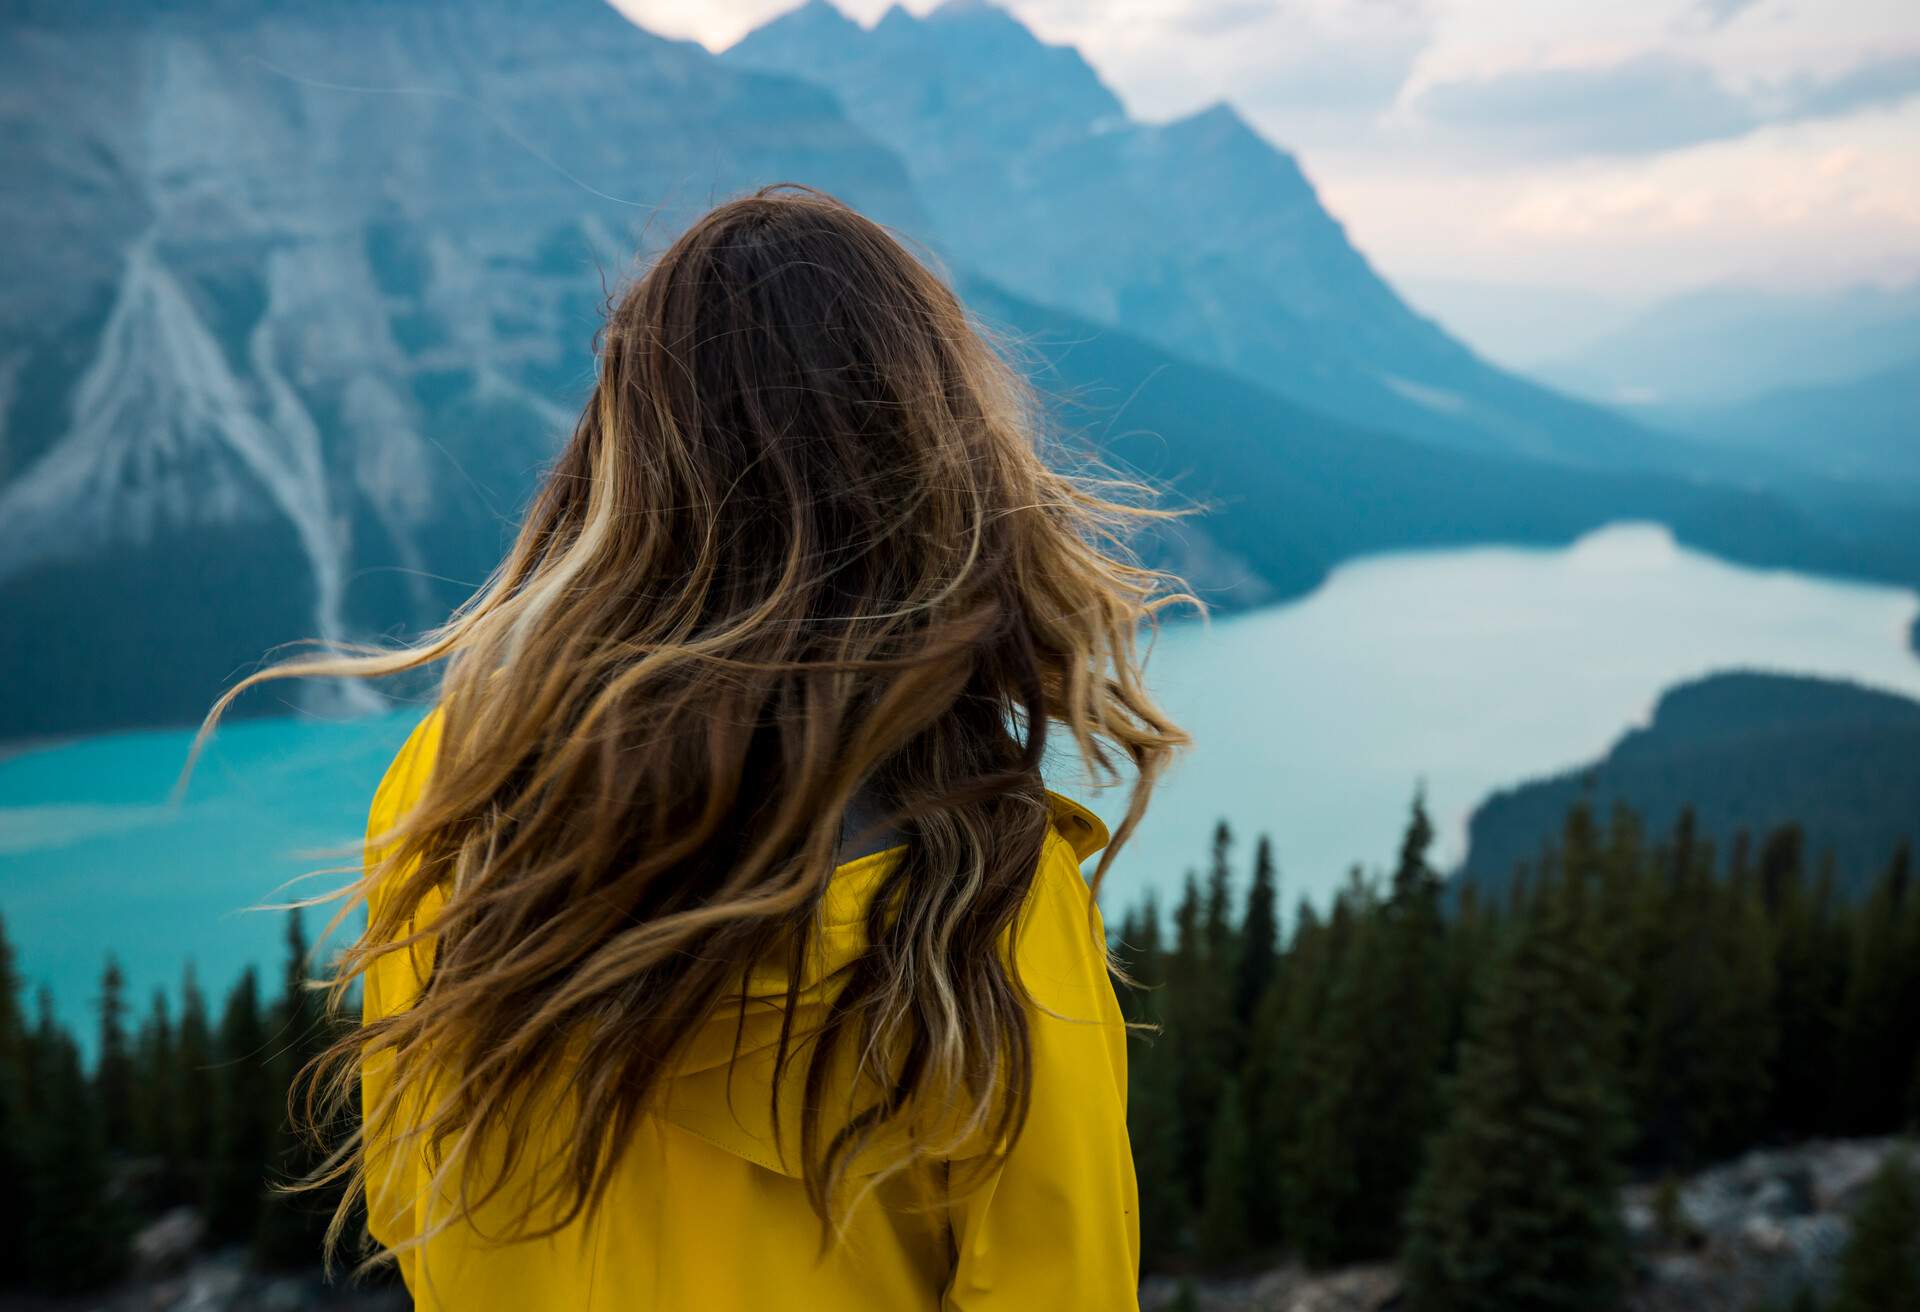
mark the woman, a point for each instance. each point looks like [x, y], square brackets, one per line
[724, 949]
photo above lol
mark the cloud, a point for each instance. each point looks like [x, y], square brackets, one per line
[1646, 104]
[1225, 15]
[1885, 81]
[1719, 13]
[1307, 71]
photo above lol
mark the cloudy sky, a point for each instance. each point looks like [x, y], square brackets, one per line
[1536, 150]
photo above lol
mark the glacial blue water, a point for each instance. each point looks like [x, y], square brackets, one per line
[1458, 671]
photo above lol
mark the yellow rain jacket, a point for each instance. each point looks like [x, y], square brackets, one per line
[705, 1215]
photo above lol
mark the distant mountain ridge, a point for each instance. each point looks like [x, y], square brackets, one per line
[1748, 751]
[300, 299]
[1196, 234]
[1289, 493]
[1724, 345]
[1864, 431]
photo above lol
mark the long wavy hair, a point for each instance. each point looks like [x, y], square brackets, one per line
[802, 545]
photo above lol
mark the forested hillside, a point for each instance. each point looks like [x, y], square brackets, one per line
[1737, 749]
[1467, 1090]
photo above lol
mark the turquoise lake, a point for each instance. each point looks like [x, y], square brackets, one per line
[1459, 671]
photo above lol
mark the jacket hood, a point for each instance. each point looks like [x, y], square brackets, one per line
[720, 1090]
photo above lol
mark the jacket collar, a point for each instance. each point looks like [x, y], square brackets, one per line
[1084, 831]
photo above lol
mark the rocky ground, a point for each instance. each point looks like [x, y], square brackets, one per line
[1741, 1236]
[174, 1273]
[1744, 1235]
[219, 1284]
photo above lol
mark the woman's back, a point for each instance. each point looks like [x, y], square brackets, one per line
[636, 1033]
[705, 1210]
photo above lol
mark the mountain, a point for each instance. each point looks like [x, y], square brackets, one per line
[1517, 324]
[301, 299]
[1863, 432]
[296, 301]
[1748, 751]
[1289, 492]
[1196, 234]
[1722, 345]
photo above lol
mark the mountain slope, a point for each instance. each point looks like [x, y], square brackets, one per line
[1722, 345]
[1197, 234]
[1289, 492]
[1748, 751]
[296, 302]
[1864, 431]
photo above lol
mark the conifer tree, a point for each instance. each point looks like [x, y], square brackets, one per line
[1876, 1044]
[1627, 938]
[1141, 952]
[1471, 936]
[1222, 1230]
[1154, 1130]
[1219, 906]
[1293, 1115]
[1900, 1033]
[1676, 1101]
[1199, 1026]
[243, 1123]
[1282, 1031]
[193, 1087]
[1185, 1029]
[1260, 1002]
[1913, 1098]
[1739, 859]
[1781, 869]
[1259, 936]
[1330, 1207]
[16, 1202]
[1880, 1267]
[1153, 1114]
[1517, 1208]
[74, 1235]
[293, 1222]
[1373, 1097]
[1740, 1021]
[1151, 945]
[1904, 1030]
[1124, 943]
[301, 1013]
[156, 1116]
[113, 1075]
[1409, 1033]
[1805, 997]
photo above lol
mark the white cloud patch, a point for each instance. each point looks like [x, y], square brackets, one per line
[1309, 71]
[1227, 15]
[1719, 13]
[1646, 104]
[1820, 202]
[1881, 81]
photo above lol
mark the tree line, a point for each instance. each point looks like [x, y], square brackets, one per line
[1415, 1073]
[1464, 1084]
[182, 1107]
